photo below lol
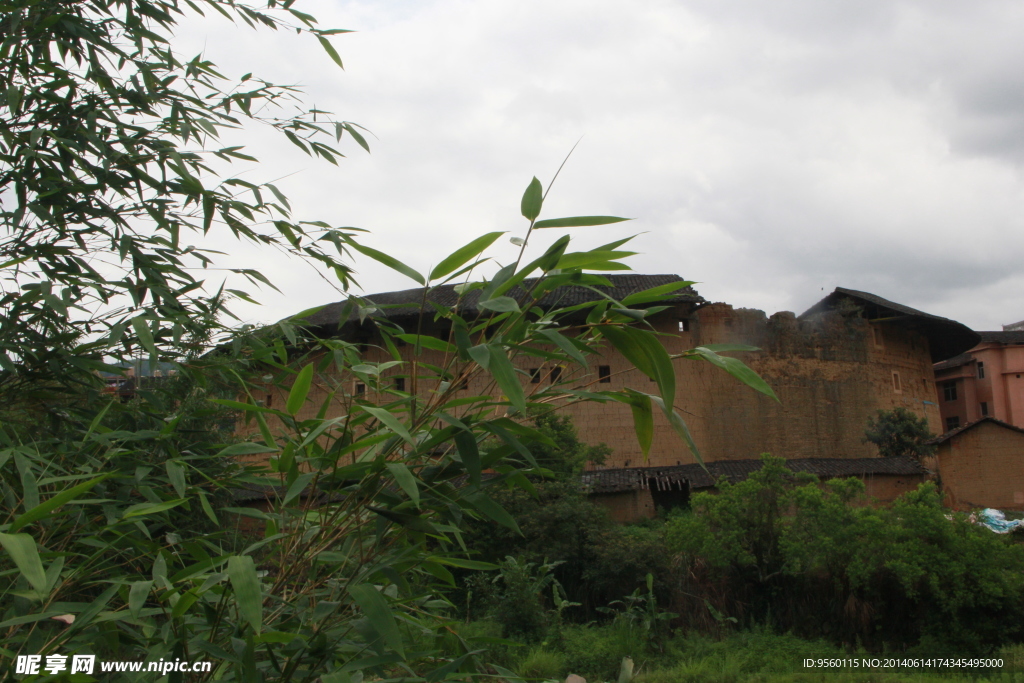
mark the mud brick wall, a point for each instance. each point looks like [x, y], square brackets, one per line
[885, 488]
[983, 467]
[830, 374]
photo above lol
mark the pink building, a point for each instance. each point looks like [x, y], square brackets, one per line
[987, 381]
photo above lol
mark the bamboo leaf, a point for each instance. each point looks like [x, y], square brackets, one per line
[389, 261]
[427, 342]
[506, 377]
[463, 564]
[329, 49]
[145, 334]
[501, 304]
[643, 419]
[378, 613]
[679, 425]
[465, 442]
[482, 502]
[655, 293]
[143, 509]
[405, 479]
[390, 421]
[591, 259]
[565, 345]
[247, 448]
[299, 390]
[533, 198]
[298, 486]
[22, 549]
[738, 369]
[241, 572]
[137, 596]
[45, 508]
[176, 475]
[578, 221]
[464, 255]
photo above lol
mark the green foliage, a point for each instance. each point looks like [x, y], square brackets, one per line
[566, 454]
[122, 514]
[816, 559]
[541, 664]
[900, 432]
[107, 154]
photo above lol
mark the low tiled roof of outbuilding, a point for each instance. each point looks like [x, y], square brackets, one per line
[637, 478]
[946, 338]
[971, 425]
[406, 303]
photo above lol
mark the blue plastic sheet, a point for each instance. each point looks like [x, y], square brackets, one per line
[997, 522]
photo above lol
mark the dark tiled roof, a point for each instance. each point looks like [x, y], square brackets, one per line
[1004, 337]
[946, 338]
[955, 362]
[406, 303]
[663, 478]
[971, 425]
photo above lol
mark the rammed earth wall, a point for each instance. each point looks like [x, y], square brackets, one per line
[831, 373]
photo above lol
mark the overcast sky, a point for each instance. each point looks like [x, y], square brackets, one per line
[770, 151]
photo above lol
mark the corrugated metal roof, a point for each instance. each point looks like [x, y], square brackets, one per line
[678, 476]
[406, 303]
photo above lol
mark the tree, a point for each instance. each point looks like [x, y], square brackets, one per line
[108, 141]
[899, 432]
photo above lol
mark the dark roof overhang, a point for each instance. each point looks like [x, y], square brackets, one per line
[946, 338]
[404, 306]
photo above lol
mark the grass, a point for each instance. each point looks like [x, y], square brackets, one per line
[755, 656]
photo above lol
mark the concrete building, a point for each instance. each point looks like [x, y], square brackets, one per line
[986, 381]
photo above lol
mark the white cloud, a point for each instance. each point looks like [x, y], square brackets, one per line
[770, 150]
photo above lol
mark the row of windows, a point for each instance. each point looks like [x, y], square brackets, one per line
[604, 376]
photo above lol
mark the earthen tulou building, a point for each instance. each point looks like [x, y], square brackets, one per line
[832, 367]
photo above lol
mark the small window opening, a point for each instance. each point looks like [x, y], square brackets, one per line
[360, 388]
[555, 374]
[269, 403]
[604, 374]
[984, 408]
[684, 325]
[464, 384]
[949, 391]
[896, 385]
[877, 332]
[400, 383]
[534, 375]
[952, 423]
[981, 370]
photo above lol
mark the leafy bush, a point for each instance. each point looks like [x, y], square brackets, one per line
[541, 664]
[900, 432]
[814, 559]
